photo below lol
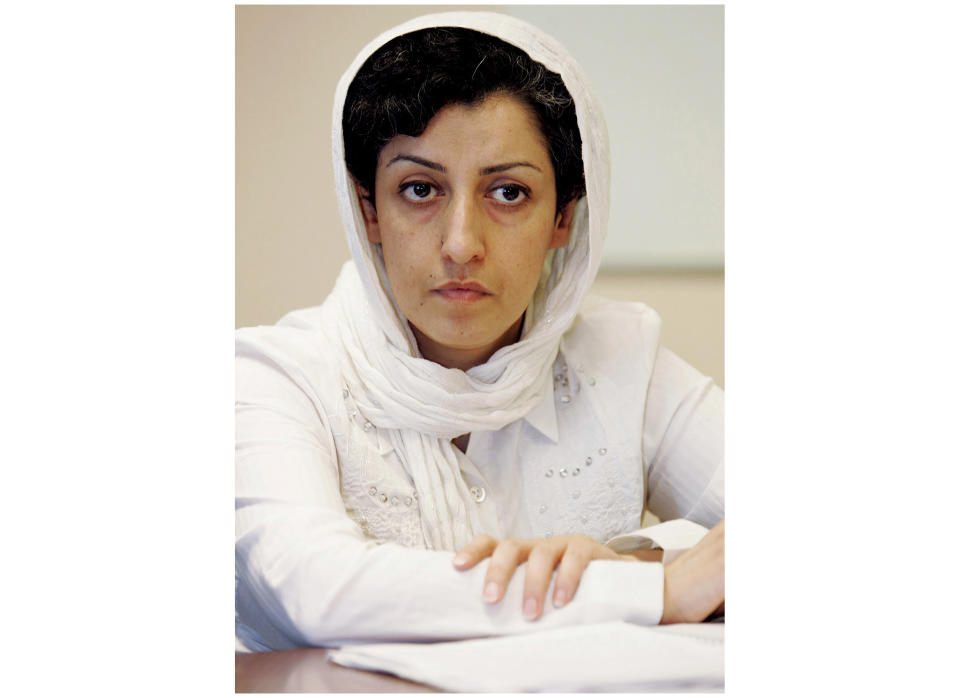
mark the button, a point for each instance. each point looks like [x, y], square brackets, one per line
[478, 494]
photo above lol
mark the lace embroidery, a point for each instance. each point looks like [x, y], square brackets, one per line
[375, 491]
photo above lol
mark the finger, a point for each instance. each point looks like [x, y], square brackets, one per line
[575, 560]
[541, 562]
[473, 552]
[503, 563]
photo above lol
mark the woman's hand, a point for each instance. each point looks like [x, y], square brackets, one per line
[569, 555]
[693, 582]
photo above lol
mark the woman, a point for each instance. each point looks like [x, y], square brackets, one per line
[456, 393]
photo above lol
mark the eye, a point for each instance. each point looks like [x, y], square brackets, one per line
[419, 191]
[510, 194]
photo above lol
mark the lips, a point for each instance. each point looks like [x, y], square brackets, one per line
[462, 291]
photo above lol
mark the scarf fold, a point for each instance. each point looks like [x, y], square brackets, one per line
[421, 406]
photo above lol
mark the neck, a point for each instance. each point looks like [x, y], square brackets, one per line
[464, 358]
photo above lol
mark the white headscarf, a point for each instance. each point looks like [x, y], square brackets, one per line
[417, 404]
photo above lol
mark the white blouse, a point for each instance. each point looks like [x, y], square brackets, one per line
[329, 549]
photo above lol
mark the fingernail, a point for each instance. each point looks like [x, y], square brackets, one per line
[560, 597]
[530, 608]
[491, 592]
[460, 559]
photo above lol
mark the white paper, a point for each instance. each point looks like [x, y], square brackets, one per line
[613, 656]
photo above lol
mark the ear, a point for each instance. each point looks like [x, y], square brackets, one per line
[562, 226]
[370, 220]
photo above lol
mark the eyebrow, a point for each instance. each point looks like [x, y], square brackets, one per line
[440, 168]
[507, 166]
[420, 161]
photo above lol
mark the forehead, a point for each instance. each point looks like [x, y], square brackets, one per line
[501, 126]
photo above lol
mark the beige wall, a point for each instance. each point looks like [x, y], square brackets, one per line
[289, 239]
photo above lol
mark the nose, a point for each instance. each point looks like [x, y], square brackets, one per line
[463, 236]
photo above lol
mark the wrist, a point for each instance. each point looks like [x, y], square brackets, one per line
[643, 555]
[669, 611]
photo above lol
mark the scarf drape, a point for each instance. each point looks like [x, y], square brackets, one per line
[418, 405]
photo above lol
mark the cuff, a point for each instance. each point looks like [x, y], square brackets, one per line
[614, 590]
[678, 534]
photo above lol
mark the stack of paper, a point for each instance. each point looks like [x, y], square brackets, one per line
[602, 657]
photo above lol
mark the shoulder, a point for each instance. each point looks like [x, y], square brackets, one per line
[298, 350]
[598, 309]
[613, 331]
[298, 333]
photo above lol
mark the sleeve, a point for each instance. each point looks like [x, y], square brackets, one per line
[306, 575]
[683, 443]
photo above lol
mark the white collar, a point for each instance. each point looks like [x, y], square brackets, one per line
[543, 417]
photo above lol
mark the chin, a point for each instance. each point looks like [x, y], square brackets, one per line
[461, 343]
[465, 338]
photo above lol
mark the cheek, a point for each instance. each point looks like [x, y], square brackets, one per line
[399, 267]
[524, 254]
[523, 269]
[404, 257]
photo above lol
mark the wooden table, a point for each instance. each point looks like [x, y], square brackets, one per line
[310, 671]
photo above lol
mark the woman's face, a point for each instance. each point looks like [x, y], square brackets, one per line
[466, 213]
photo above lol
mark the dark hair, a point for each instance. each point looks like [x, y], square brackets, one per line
[409, 79]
